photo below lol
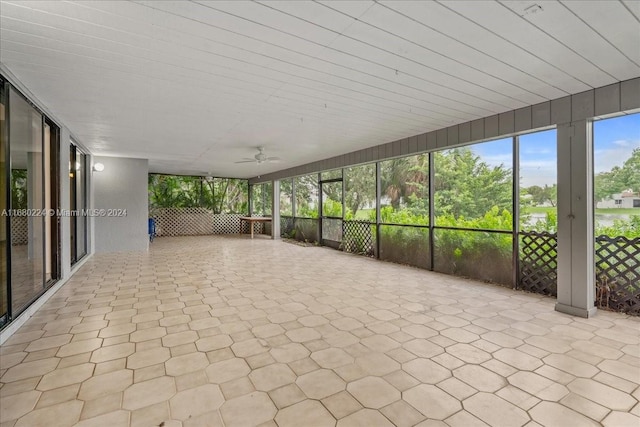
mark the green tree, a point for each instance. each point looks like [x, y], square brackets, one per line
[405, 183]
[19, 189]
[261, 196]
[542, 195]
[619, 179]
[218, 194]
[360, 187]
[466, 186]
[395, 176]
[286, 197]
[306, 189]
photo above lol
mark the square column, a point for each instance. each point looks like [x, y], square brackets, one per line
[576, 267]
[275, 210]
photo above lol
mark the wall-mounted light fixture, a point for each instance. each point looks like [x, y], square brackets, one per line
[98, 167]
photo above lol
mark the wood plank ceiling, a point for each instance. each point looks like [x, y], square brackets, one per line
[196, 85]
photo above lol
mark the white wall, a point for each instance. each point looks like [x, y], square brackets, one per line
[121, 185]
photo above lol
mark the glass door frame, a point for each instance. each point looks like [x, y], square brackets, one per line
[326, 242]
[50, 167]
[4, 101]
[78, 201]
[53, 239]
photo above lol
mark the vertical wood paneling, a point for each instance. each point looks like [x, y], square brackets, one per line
[582, 105]
[561, 110]
[630, 94]
[522, 119]
[506, 123]
[477, 130]
[452, 136]
[540, 115]
[606, 100]
[491, 126]
[464, 132]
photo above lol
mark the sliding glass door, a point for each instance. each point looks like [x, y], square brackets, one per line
[33, 222]
[4, 283]
[78, 202]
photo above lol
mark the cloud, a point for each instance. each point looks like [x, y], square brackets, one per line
[538, 172]
[537, 151]
[622, 143]
[498, 159]
[606, 158]
[538, 164]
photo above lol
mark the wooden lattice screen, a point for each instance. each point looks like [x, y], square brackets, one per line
[618, 273]
[539, 262]
[358, 237]
[19, 230]
[197, 222]
[617, 262]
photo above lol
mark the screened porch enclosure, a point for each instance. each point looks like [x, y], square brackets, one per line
[198, 205]
[485, 211]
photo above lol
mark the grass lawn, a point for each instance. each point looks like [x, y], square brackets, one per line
[538, 209]
[607, 211]
[363, 214]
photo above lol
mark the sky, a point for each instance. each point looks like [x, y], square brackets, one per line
[614, 140]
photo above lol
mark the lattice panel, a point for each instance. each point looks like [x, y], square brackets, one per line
[539, 262]
[182, 221]
[618, 273]
[229, 224]
[19, 230]
[358, 237]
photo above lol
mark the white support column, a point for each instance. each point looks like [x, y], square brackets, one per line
[576, 268]
[275, 210]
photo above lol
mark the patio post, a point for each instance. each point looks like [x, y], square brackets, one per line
[576, 268]
[275, 210]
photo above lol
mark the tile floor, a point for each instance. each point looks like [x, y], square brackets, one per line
[226, 331]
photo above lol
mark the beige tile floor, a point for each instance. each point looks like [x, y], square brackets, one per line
[213, 331]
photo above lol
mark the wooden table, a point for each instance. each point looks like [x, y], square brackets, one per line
[253, 219]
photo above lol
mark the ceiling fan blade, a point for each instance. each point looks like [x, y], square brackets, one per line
[273, 159]
[246, 161]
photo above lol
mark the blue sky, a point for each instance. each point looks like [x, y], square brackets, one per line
[614, 140]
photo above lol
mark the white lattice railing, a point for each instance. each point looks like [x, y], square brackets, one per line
[19, 230]
[197, 222]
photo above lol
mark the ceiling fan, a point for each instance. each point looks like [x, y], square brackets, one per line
[259, 158]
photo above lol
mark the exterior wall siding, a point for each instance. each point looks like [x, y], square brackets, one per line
[595, 103]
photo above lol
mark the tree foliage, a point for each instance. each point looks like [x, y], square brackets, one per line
[221, 195]
[541, 196]
[19, 189]
[261, 196]
[306, 197]
[619, 179]
[468, 187]
[360, 188]
[286, 197]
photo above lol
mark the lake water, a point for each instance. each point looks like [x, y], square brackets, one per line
[600, 219]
